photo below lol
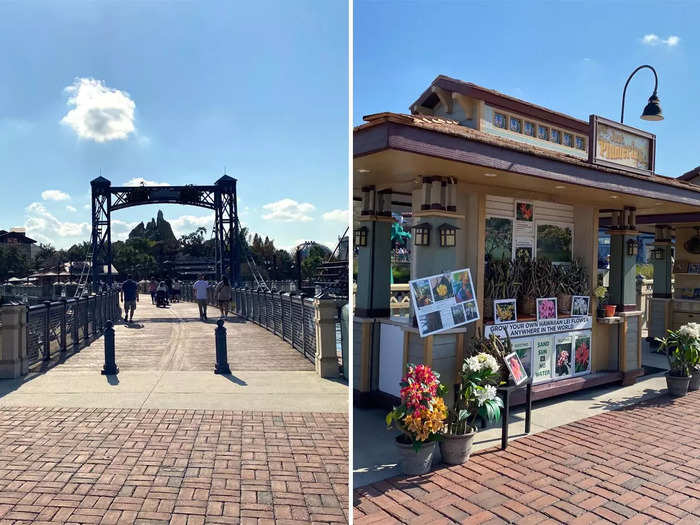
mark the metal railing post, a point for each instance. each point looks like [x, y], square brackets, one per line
[47, 342]
[63, 344]
[221, 351]
[75, 326]
[86, 323]
[110, 368]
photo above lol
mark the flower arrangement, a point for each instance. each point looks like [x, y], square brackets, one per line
[422, 412]
[682, 348]
[481, 374]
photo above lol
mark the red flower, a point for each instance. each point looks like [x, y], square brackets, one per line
[582, 354]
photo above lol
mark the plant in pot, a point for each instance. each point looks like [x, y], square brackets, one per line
[501, 281]
[476, 396]
[572, 279]
[604, 309]
[682, 347]
[539, 279]
[420, 417]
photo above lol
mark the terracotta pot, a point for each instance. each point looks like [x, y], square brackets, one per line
[610, 310]
[414, 462]
[694, 380]
[677, 385]
[455, 450]
[564, 303]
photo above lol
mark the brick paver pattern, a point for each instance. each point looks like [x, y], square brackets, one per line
[172, 466]
[174, 338]
[640, 464]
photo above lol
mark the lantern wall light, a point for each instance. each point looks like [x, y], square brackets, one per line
[632, 247]
[361, 236]
[659, 254]
[421, 234]
[448, 235]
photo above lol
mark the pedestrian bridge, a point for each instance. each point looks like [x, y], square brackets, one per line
[174, 338]
[166, 359]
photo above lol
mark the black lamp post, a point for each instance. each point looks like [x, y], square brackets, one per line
[652, 111]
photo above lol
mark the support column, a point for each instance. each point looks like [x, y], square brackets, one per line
[660, 304]
[623, 293]
[13, 342]
[326, 360]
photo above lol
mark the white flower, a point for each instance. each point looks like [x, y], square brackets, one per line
[490, 362]
[474, 364]
[486, 393]
[690, 329]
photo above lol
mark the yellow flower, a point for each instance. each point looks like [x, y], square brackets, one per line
[442, 290]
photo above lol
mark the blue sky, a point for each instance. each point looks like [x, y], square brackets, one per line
[573, 57]
[173, 93]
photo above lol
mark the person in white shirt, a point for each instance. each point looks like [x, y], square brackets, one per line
[200, 288]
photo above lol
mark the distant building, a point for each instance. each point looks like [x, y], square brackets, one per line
[17, 238]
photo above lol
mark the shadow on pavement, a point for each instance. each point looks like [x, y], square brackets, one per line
[235, 379]
[112, 380]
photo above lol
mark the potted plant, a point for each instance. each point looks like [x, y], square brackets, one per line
[604, 309]
[572, 279]
[420, 417]
[476, 396]
[682, 347]
[539, 279]
[501, 281]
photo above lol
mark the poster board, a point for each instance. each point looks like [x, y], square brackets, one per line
[444, 301]
[582, 353]
[515, 367]
[523, 347]
[542, 353]
[562, 355]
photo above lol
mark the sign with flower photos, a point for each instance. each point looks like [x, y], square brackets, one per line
[444, 301]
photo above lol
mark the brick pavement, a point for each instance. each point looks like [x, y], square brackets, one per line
[172, 466]
[640, 464]
[174, 338]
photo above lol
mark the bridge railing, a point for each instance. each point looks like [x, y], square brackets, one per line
[307, 324]
[58, 326]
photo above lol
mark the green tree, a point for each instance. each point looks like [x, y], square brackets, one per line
[13, 264]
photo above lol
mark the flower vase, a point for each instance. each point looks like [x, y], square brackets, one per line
[415, 462]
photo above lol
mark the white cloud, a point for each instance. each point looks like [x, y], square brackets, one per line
[87, 206]
[100, 113]
[336, 216]
[138, 181]
[121, 229]
[71, 208]
[654, 40]
[288, 210]
[42, 224]
[54, 195]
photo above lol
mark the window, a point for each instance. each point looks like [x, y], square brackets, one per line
[516, 125]
[581, 143]
[529, 129]
[568, 140]
[499, 120]
[555, 136]
[543, 132]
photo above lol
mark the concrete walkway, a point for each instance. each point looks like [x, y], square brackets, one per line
[166, 360]
[639, 464]
[375, 457]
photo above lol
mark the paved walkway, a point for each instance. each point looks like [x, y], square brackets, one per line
[171, 466]
[638, 464]
[168, 441]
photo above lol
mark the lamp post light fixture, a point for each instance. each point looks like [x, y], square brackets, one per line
[652, 110]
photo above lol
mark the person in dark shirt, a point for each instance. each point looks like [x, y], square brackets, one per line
[130, 297]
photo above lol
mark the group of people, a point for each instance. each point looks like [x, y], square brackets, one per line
[165, 291]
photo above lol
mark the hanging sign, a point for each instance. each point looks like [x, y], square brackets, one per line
[615, 145]
[444, 301]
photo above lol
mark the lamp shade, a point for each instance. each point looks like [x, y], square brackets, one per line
[652, 111]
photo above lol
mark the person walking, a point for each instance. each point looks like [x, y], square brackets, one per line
[176, 290]
[200, 289]
[130, 297]
[222, 292]
[152, 287]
